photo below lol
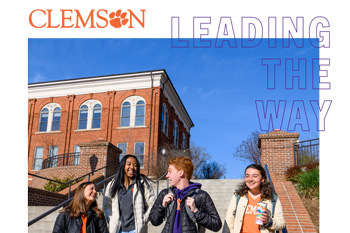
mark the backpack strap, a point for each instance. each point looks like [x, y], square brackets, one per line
[237, 200]
[274, 200]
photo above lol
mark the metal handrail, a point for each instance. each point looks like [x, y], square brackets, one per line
[284, 230]
[71, 181]
[70, 199]
[157, 181]
[60, 160]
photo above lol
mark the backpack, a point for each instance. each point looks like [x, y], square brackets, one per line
[273, 200]
[188, 210]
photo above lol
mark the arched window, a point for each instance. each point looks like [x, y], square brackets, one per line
[164, 120]
[133, 112]
[140, 113]
[125, 119]
[50, 117]
[83, 116]
[176, 134]
[96, 116]
[56, 119]
[90, 113]
[44, 118]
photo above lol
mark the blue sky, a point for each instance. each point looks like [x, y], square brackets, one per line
[218, 86]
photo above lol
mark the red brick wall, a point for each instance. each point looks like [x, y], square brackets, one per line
[68, 135]
[93, 155]
[38, 197]
[277, 151]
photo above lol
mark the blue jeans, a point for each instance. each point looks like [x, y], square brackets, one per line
[133, 231]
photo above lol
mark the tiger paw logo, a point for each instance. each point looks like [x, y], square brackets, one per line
[117, 19]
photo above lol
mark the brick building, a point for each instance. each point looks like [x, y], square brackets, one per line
[140, 113]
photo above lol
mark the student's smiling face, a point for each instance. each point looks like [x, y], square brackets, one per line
[253, 179]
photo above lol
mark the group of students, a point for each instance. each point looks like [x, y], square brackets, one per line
[129, 204]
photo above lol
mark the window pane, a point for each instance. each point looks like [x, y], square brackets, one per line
[125, 119]
[123, 147]
[83, 115]
[139, 120]
[38, 158]
[139, 151]
[126, 112]
[56, 120]
[140, 110]
[53, 152]
[96, 117]
[76, 158]
[44, 116]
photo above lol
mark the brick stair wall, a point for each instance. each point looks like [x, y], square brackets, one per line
[296, 216]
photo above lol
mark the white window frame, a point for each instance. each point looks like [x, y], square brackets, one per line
[133, 102]
[51, 107]
[90, 104]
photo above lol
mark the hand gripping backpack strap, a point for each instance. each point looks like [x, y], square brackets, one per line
[191, 214]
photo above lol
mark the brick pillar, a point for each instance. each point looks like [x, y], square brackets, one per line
[277, 151]
[97, 154]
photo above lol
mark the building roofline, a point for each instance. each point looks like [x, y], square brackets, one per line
[92, 78]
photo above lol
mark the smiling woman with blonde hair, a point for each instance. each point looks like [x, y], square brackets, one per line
[82, 214]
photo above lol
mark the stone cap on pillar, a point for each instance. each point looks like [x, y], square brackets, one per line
[277, 133]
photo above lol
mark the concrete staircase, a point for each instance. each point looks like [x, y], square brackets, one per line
[220, 191]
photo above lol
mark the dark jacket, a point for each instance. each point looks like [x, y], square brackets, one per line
[65, 224]
[206, 216]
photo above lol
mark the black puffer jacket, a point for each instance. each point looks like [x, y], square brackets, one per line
[206, 216]
[65, 224]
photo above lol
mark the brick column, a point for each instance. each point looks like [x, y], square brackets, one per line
[99, 153]
[277, 151]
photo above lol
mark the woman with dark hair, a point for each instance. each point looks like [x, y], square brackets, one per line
[241, 213]
[82, 215]
[128, 198]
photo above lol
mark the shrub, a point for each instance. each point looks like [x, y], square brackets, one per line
[311, 166]
[292, 173]
[308, 185]
[55, 187]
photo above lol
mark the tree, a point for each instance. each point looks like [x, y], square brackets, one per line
[211, 170]
[203, 168]
[249, 149]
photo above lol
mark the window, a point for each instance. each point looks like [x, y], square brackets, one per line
[140, 113]
[125, 119]
[176, 134]
[133, 112]
[184, 146]
[38, 158]
[76, 157]
[164, 120]
[53, 152]
[44, 118]
[50, 117]
[96, 116]
[90, 113]
[139, 151]
[123, 146]
[56, 119]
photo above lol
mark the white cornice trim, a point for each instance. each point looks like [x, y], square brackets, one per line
[120, 82]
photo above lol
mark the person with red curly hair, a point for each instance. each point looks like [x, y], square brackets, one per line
[186, 207]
